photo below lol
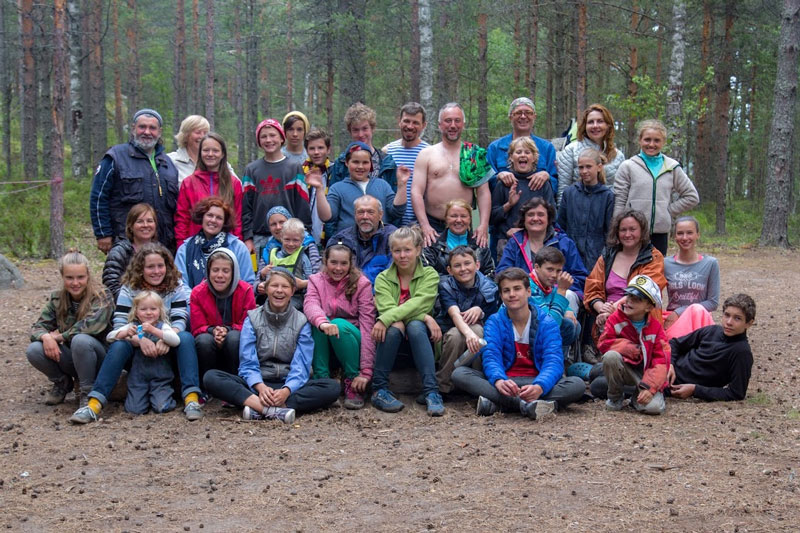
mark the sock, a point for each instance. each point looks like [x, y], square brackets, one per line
[95, 405]
[191, 397]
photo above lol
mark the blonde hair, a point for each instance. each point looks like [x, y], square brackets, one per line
[293, 225]
[651, 124]
[598, 158]
[92, 294]
[148, 295]
[528, 143]
[188, 125]
[407, 232]
[358, 112]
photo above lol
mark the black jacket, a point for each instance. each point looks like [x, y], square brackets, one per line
[436, 254]
[117, 260]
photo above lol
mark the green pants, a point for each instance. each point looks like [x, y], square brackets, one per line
[347, 349]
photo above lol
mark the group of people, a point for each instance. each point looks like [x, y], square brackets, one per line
[261, 291]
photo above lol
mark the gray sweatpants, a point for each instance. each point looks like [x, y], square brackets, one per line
[80, 359]
[150, 384]
[618, 373]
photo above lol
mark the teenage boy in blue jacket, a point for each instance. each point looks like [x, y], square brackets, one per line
[523, 365]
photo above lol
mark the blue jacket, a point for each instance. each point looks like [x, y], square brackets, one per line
[553, 303]
[299, 368]
[497, 155]
[483, 294]
[500, 353]
[342, 195]
[125, 178]
[514, 256]
[388, 171]
[373, 256]
[585, 215]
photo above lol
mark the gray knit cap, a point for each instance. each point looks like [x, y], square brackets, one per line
[147, 111]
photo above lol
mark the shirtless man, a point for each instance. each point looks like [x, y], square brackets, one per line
[436, 180]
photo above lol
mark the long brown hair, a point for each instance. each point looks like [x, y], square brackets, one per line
[613, 235]
[225, 179]
[355, 273]
[607, 146]
[91, 294]
[133, 215]
[134, 276]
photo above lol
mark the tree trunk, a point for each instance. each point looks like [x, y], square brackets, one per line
[675, 89]
[775, 228]
[251, 67]
[119, 121]
[559, 74]
[580, 89]
[44, 58]
[633, 65]
[289, 59]
[30, 160]
[415, 51]
[179, 66]
[703, 179]
[483, 77]
[97, 81]
[6, 89]
[209, 74]
[133, 68]
[196, 89]
[57, 146]
[533, 41]
[517, 39]
[426, 65]
[353, 47]
[238, 94]
[721, 113]
[753, 183]
[79, 164]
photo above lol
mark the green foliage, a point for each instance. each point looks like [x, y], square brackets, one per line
[743, 219]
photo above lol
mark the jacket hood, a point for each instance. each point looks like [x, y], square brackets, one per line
[234, 278]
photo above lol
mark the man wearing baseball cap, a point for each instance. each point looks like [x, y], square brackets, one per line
[137, 171]
[636, 350]
[273, 180]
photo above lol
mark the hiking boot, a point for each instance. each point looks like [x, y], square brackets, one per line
[486, 407]
[251, 414]
[352, 399]
[193, 411]
[385, 401]
[84, 415]
[284, 414]
[591, 355]
[537, 408]
[614, 405]
[435, 404]
[59, 391]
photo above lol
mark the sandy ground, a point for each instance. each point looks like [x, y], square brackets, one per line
[700, 467]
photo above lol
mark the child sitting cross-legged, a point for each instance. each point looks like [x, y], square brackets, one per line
[150, 377]
[635, 349]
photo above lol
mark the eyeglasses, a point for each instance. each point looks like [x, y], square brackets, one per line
[522, 114]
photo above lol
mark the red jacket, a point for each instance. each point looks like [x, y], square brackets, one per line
[194, 188]
[203, 307]
[652, 345]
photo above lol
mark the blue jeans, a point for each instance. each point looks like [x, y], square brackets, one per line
[120, 354]
[421, 352]
[569, 332]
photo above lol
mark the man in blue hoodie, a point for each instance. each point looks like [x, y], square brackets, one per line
[522, 361]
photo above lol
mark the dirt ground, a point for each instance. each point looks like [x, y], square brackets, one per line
[700, 467]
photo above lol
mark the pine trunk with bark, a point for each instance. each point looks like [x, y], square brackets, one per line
[44, 60]
[517, 40]
[197, 90]
[56, 151]
[99, 124]
[6, 88]
[252, 60]
[721, 114]
[703, 179]
[134, 70]
[775, 227]
[209, 74]
[30, 159]
[179, 66]
[119, 121]
[289, 59]
[483, 77]
[76, 57]
[353, 48]
[754, 184]
[533, 46]
[426, 64]
[415, 51]
[633, 66]
[238, 91]
[675, 90]
[580, 88]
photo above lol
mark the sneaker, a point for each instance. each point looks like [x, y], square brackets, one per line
[57, 394]
[486, 407]
[614, 405]
[84, 415]
[420, 399]
[537, 408]
[193, 411]
[284, 414]
[251, 414]
[352, 399]
[435, 404]
[385, 401]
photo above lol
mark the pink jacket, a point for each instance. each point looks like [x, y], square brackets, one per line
[194, 188]
[325, 300]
